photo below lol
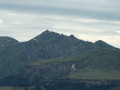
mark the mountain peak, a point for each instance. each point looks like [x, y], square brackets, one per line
[47, 31]
[5, 41]
[72, 36]
[46, 35]
[99, 41]
[102, 44]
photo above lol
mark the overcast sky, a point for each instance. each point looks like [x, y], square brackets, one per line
[90, 20]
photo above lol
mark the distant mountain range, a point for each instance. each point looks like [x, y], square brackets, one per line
[51, 56]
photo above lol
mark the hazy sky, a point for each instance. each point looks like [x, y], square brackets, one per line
[87, 19]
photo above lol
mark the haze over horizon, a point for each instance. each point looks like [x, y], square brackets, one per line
[88, 20]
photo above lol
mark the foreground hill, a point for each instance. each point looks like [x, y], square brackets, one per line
[51, 56]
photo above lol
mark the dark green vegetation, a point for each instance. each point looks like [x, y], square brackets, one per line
[53, 61]
[7, 41]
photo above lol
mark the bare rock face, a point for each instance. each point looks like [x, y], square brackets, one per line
[51, 69]
[73, 67]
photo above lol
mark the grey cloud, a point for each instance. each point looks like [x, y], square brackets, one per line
[51, 9]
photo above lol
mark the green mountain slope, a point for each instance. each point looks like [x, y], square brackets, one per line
[102, 44]
[6, 41]
[47, 45]
[51, 56]
[97, 64]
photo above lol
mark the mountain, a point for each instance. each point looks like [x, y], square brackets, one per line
[96, 60]
[102, 44]
[97, 64]
[51, 56]
[6, 41]
[53, 45]
[47, 45]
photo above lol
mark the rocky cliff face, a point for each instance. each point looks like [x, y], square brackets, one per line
[35, 74]
[40, 73]
[56, 68]
[50, 69]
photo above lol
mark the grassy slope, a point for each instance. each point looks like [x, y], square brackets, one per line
[95, 74]
[104, 64]
[33, 88]
[17, 88]
[10, 88]
[97, 69]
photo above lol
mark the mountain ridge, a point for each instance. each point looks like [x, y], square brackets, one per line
[54, 56]
[52, 32]
[51, 45]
